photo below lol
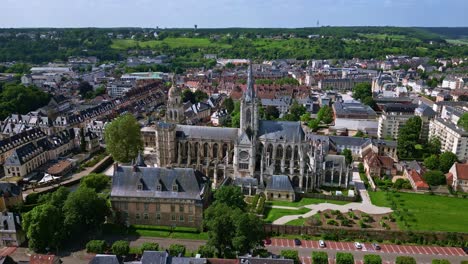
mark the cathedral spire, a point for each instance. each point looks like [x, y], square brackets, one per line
[250, 92]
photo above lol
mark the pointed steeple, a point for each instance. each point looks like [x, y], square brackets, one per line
[249, 94]
[140, 161]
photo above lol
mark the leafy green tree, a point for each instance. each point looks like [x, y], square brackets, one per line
[372, 259]
[325, 114]
[96, 246]
[149, 246]
[344, 258]
[361, 168]
[405, 260]
[362, 90]
[319, 257]
[200, 96]
[359, 134]
[232, 196]
[235, 120]
[314, 124]
[228, 104]
[434, 177]
[433, 146]
[56, 198]
[408, 137]
[432, 162]
[95, 181]
[188, 96]
[123, 138]
[296, 110]
[85, 89]
[43, 226]
[401, 184]
[249, 232]
[207, 251]
[271, 113]
[305, 118]
[176, 250]
[446, 160]
[84, 211]
[348, 156]
[290, 254]
[20, 99]
[121, 248]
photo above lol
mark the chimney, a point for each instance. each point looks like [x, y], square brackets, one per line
[116, 166]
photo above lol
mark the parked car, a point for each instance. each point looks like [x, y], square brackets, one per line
[357, 245]
[297, 242]
[267, 241]
[376, 246]
[322, 244]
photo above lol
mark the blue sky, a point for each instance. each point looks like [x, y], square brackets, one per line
[231, 13]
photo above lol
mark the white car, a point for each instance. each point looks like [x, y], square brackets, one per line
[322, 244]
[357, 245]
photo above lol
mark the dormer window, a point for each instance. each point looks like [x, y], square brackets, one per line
[175, 188]
[158, 187]
[140, 187]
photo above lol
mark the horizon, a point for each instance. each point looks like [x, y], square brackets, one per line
[233, 14]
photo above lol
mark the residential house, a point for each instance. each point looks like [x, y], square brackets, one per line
[379, 166]
[457, 177]
[11, 232]
[414, 172]
[10, 195]
[105, 259]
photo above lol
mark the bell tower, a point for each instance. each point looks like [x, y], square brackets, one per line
[175, 108]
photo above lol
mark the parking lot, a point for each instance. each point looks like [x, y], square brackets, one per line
[367, 247]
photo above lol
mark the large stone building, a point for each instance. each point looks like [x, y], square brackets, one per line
[258, 149]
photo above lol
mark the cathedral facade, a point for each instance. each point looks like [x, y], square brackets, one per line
[258, 149]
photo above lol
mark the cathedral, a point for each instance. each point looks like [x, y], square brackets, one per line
[258, 149]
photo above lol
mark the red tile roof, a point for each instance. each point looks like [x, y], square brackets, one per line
[462, 171]
[418, 180]
[42, 259]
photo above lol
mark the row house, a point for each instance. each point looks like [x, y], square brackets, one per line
[9, 144]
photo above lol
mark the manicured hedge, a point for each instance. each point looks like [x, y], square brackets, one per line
[344, 258]
[319, 257]
[372, 259]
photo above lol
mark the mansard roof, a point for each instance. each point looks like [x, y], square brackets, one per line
[279, 183]
[202, 132]
[280, 130]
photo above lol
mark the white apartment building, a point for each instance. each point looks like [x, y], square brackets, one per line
[452, 137]
[393, 117]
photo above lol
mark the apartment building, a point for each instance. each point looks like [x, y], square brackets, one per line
[393, 117]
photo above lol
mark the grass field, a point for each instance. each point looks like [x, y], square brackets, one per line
[271, 214]
[156, 231]
[297, 222]
[427, 212]
[306, 201]
[458, 41]
[124, 44]
[392, 37]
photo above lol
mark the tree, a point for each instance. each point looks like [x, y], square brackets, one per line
[96, 246]
[56, 198]
[85, 89]
[433, 146]
[121, 248]
[296, 110]
[43, 226]
[372, 259]
[232, 196]
[401, 184]
[20, 99]
[200, 96]
[325, 114]
[359, 134]
[434, 177]
[228, 104]
[314, 124]
[123, 138]
[348, 155]
[290, 254]
[207, 251]
[463, 121]
[344, 258]
[319, 257]
[249, 232]
[271, 113]
[362, 90]
[408, 137]
[84, 211]
[95, 181]
[149, 246]
[361, 168]
[446, 160]
[188, 96]
[432, 162]
[176, 250]
[405, 260]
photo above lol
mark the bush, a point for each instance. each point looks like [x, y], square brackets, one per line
[253, 205]
[290, 254]
[362, 224]
[440, 261]
[332, 222]
[96, 246]
[405, 260]
[344, 258]
[32, 198]
[435, 178]
[149, 246]
[372, 259]
[176, 250]
[206, 251]
[319, 257]
[121, 248]
[261, 205]
[361, 168]
[346, 222]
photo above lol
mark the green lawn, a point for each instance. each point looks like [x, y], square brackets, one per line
[156, 231]
[271, 214]
[297, 222]
[306, 201]
[427, 212]
[124, 44]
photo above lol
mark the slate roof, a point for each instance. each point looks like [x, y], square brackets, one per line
[403, 108]
[202, 132]
[190, 183]
[277, 130]
[279, 183]
[154, 257]
[9, 189]
[184, 260]
[245, 181]
[105, 259]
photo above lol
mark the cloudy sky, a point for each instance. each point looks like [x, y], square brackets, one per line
[231, 13]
